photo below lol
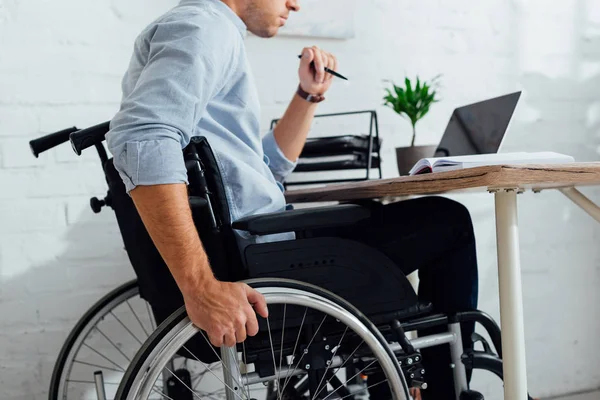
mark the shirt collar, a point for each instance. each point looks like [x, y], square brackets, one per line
[223, 9]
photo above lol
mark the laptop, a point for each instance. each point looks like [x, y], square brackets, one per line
[478, 128]
[474, 136]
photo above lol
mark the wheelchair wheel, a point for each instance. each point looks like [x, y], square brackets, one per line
[104, 340]
[314, 345]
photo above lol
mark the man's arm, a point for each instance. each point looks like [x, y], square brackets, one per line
[155, 122]
[292, 129]
[166, 214]
[223, 310]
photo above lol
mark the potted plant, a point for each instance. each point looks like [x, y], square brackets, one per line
[412, 102]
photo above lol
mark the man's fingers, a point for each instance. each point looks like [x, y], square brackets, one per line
[229, 339]
[251, 322]
[258, 301]
[215, 339]
[308, 56]
[335, 64]
[328, 64]
[319, 66]
[240, 330]
[320, 60]
[331, 65]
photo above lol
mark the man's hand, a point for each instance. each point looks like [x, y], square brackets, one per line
[313, 78]
[225, 310]
[292, 129]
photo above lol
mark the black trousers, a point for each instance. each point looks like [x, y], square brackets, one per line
[433, 235]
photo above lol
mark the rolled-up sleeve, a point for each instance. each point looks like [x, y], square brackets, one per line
[158, 116]
[279, 164]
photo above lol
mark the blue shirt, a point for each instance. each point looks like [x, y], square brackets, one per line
[189, 76]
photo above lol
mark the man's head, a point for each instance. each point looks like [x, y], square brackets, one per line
[263, 17]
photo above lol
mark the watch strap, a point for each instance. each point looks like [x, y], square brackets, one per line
[309, 97]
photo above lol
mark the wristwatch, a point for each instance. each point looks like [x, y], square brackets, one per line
[312, 98]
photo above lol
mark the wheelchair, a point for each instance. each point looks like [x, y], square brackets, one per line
[339, 311]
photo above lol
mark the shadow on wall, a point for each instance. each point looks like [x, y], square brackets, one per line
[564, 113]
[41, 306]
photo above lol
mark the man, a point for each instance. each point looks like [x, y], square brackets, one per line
[189, 76]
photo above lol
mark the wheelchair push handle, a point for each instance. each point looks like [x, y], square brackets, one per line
[47, 142]
[89, 137]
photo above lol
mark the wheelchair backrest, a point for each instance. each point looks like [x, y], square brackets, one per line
[212, 221]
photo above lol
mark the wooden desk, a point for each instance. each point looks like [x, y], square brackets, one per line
[505, 182]
[522, 177]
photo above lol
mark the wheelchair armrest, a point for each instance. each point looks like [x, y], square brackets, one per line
[303, 219]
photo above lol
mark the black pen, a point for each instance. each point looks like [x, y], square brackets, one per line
[329, 71]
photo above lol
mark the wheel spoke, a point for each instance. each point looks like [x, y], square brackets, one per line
[138, 320]
[199, 378]
[277, 372]
[348, 380]
[343, 364]
[98, 366]
[329, 366]
[114, 345]
[303, 353]
[161, 393]
[282, 337]
[298, 337]
[103, 356]
[217, 394]
[82, 381]
[126, 328]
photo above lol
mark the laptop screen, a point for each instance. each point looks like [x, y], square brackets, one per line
[478, 128]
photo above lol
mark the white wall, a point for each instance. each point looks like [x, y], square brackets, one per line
[61, 63]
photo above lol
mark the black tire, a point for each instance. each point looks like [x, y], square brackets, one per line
[175, 318]
[59, 366]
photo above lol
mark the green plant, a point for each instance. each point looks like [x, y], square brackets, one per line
[412, 103]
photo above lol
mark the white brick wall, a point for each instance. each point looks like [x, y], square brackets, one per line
[61, 63]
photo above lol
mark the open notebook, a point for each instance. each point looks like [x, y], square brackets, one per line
[439, 164]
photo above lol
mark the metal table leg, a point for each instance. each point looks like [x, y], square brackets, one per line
[582, 201]
[511, 296]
